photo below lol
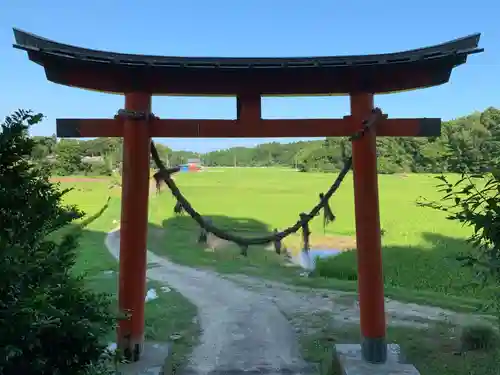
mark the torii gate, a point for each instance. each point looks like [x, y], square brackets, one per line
[138, 77]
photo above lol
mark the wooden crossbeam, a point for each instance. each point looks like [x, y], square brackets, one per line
[263, 128]
[89, 128]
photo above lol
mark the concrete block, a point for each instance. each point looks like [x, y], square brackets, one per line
[156, 359]
[351, 362]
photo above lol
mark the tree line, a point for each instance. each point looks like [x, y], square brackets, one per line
[466, 144]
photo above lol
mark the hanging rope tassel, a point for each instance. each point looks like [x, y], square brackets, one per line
[278, 245]
[306, 233]
[203, 237]
[178, 209]
[343, 151]
[328, 215]
[244, 250]
[158, 176]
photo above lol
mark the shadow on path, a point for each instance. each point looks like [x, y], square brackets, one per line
[177, 239]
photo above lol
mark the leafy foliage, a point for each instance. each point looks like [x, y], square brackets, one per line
[50, 323]
[69, 158]
[474, 200]
[328, 267]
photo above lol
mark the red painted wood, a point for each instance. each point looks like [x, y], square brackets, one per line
[122, 73]
[217, 82]
[277, 128]
[249, 129]
[98, 127]
[252, 129]
[134, 221]
[369, 253]
[248, 108]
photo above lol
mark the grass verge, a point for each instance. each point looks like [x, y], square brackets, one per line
[170, 317]
[433, 351]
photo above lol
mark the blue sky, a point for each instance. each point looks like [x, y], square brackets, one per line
[248, 28]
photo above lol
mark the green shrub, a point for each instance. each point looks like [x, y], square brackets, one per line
[50, 323]
[334, 267]
[474, 201]
[303, 168]
[98, 169]
[478, 337]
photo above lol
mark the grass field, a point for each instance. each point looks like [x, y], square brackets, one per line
[419, 244]
[419, 249]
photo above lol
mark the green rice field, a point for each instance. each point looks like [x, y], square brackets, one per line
[419, 244]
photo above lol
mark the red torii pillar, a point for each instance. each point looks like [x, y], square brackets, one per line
[368, 239]
[137, 134]
[134, 225]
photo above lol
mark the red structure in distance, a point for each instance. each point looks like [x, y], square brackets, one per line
[138, 77]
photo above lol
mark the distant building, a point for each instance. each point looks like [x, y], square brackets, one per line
[51, 159]
[192, 165]
[93, 159]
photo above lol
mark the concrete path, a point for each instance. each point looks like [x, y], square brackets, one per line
[242, 331]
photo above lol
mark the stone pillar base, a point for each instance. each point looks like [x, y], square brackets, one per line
[156, 359]
[350, 360]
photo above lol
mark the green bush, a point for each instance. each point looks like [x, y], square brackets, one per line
[50, 323]
[334, 267]
[303, 168]
[98, 169]
[474, 201]
[478, 337]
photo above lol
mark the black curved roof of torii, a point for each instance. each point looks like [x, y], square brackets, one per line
[226, 76]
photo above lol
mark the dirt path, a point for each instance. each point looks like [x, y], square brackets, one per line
[300, 303]
[241, 330]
